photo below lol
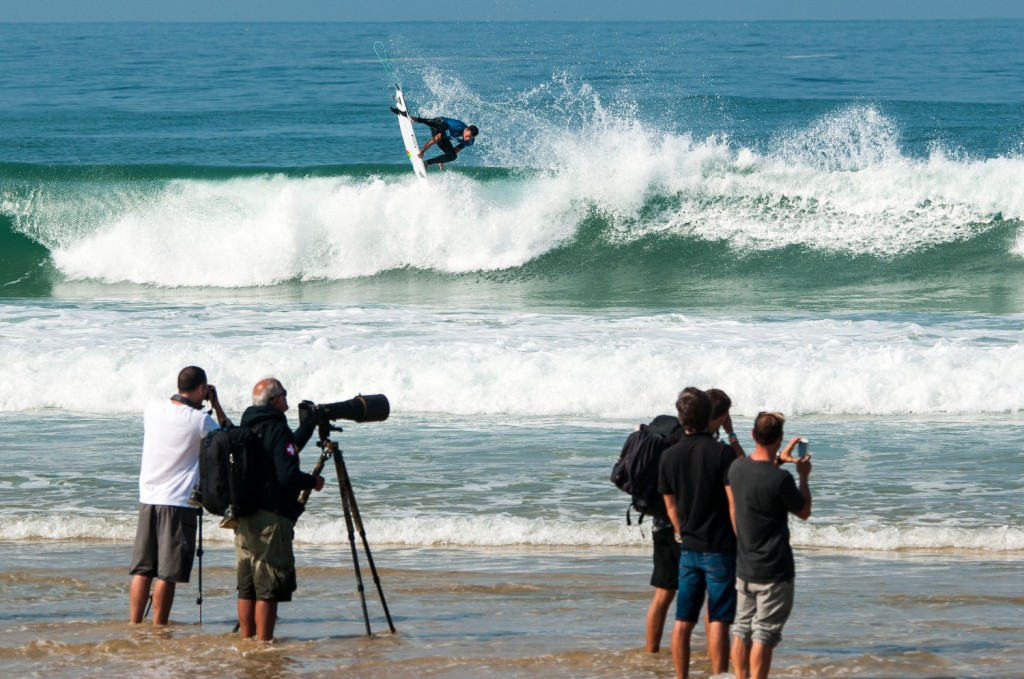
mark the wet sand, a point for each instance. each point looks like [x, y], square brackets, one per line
[499, 613]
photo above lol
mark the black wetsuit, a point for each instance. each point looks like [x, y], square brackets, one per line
[450, 130]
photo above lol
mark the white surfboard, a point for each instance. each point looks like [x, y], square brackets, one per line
[412, 145]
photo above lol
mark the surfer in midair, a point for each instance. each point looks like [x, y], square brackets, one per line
[451, 135]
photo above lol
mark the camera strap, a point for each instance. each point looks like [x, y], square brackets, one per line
[178, 398]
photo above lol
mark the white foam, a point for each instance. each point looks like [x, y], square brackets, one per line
[908, 538]
[99, 359]
[504, 531]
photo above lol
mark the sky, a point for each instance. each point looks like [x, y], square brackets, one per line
[502, 10]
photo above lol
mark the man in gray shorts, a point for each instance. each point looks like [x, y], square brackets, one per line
[165, 540]
[761, 498]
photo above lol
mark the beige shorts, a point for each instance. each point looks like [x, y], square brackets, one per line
[265, 561]
[762, 611]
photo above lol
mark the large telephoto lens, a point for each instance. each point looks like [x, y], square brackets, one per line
[362, 408]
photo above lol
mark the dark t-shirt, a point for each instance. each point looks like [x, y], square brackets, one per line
[765, 496]
[695, 470]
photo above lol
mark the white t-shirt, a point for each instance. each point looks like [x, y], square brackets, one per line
[170, 452]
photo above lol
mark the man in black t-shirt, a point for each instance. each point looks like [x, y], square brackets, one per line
[761, 498]
[692, 477]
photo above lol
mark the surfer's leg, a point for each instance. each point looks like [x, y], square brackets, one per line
[448, 152]
[436, 125]
[446, 158]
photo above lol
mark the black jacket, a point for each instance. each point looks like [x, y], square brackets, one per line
[283, 480]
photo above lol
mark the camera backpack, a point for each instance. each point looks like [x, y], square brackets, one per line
[636, 471]
[230, 471]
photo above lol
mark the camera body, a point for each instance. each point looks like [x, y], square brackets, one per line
[362, 408]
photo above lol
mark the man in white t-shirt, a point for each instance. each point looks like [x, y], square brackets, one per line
[165, 541]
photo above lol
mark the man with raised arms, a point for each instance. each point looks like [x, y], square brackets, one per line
[692, 477]
[721, 419]
[761, 498]
[165, 539]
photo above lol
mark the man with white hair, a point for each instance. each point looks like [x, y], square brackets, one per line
[263, 540]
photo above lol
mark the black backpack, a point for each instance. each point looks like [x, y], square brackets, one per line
[636, 471]
[231, 472]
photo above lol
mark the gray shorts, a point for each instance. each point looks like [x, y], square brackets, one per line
[762, 610]
[165, 542]
[265, 560]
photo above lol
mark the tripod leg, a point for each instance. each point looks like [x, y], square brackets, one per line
[352, 544]
[347, 493]
[199, 553]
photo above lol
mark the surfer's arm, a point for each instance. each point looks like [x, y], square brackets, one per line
[433, 140]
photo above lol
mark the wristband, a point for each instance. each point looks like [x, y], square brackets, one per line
[732, 435]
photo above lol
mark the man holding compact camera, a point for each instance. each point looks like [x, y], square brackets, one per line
[165, 540]
[761, 498]
[263, 540]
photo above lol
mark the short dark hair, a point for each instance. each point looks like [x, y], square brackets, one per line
[191, 378]
[473, 130]
[720, 402]
[768, 428]
[694, 409]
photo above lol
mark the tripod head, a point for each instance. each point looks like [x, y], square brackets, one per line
[362, 408]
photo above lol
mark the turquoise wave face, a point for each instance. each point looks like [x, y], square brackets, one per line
[24, 264]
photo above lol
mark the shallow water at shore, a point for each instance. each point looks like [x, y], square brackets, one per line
[520, 612]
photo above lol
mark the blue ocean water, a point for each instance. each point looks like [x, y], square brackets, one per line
[819, 218]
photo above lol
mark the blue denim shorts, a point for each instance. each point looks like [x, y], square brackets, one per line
[710, 573]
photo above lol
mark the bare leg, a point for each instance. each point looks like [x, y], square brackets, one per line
[681, 633]
[718, 646]
[760, 660]
[266, 617]
[740, 658]
[163, 598]
[656, 614]
[138, 596]
[247, 618]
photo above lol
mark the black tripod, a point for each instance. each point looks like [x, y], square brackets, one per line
[353, 521]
